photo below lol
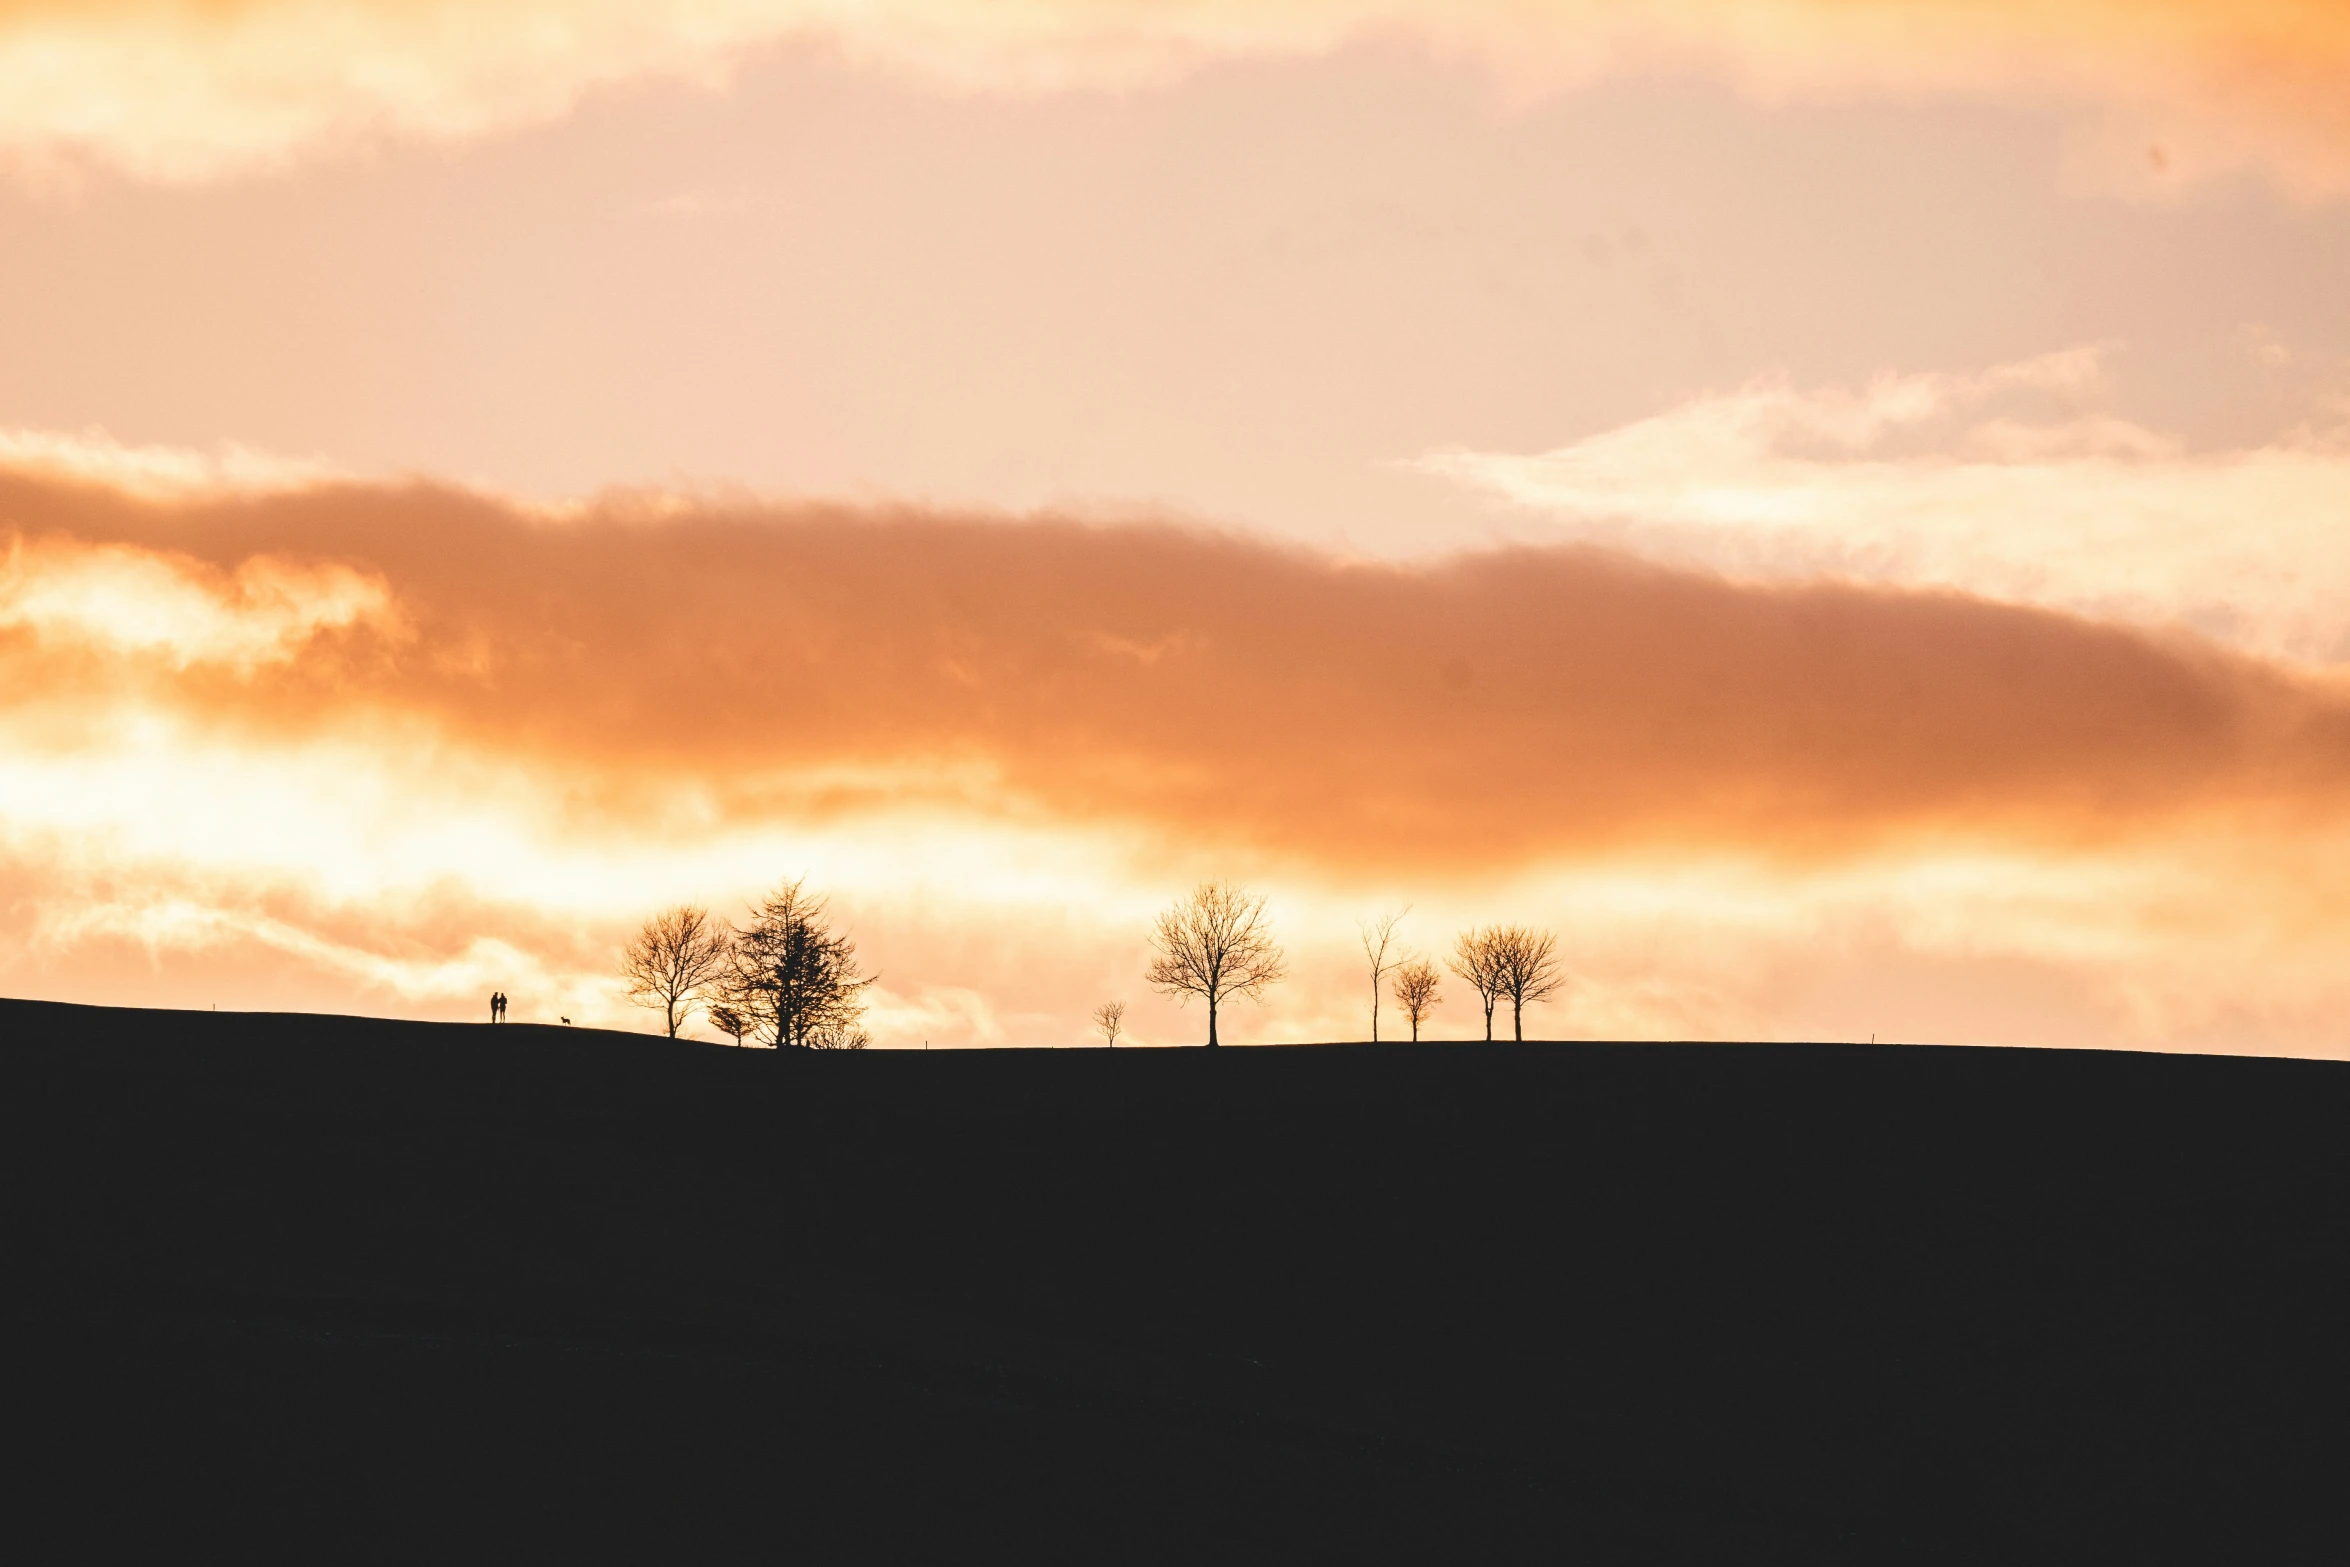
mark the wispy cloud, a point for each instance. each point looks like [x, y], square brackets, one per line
[155, 472]
[127, 600]
[2006, 485]
[182, 91]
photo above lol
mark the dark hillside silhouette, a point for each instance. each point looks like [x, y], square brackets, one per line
[368, 1290]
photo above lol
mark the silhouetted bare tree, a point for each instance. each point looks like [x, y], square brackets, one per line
[1110, 1018]
[1476, 957]
[729, 1020]
[1215, 944]
[838, 1036]
[1378, 946]
[673, 961]
[794, 977]
[1529, 970]
[1416, 992]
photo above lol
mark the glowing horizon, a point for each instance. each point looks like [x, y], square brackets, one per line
[464, 487]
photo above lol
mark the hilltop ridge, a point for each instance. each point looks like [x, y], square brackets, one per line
[396, 1288]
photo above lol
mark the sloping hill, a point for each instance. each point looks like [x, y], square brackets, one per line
[374, 1290]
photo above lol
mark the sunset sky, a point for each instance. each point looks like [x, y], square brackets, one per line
[1839, 508]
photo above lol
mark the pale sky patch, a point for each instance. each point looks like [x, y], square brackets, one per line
[1925, 481]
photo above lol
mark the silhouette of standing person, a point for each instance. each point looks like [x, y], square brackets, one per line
[498, 1006]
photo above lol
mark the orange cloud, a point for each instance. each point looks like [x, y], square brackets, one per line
[1472, 711]
[198, 88]
[121, 598]
[343, 744]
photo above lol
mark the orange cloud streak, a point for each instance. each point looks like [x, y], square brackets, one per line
[1471, 712]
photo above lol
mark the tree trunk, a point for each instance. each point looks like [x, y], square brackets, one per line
[1374, 1006]
[1517, 1020]
[1415, 1031]
[1211, 1022]
[1489, 1022]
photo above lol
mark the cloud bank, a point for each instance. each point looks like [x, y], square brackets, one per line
[405, 739]
[1476, 710]
[192, 89]
[2003, 485]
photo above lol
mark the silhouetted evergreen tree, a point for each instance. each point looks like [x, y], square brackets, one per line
[795, 978]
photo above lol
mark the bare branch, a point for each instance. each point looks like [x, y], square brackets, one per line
[1416, 992]
[1477, 958]
[1215, 944]
[730, 1021]
[1110, 1018]
[1529, 969]
[1378, 940]
[674, 960]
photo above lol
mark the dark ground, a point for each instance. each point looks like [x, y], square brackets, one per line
[342, 1290]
